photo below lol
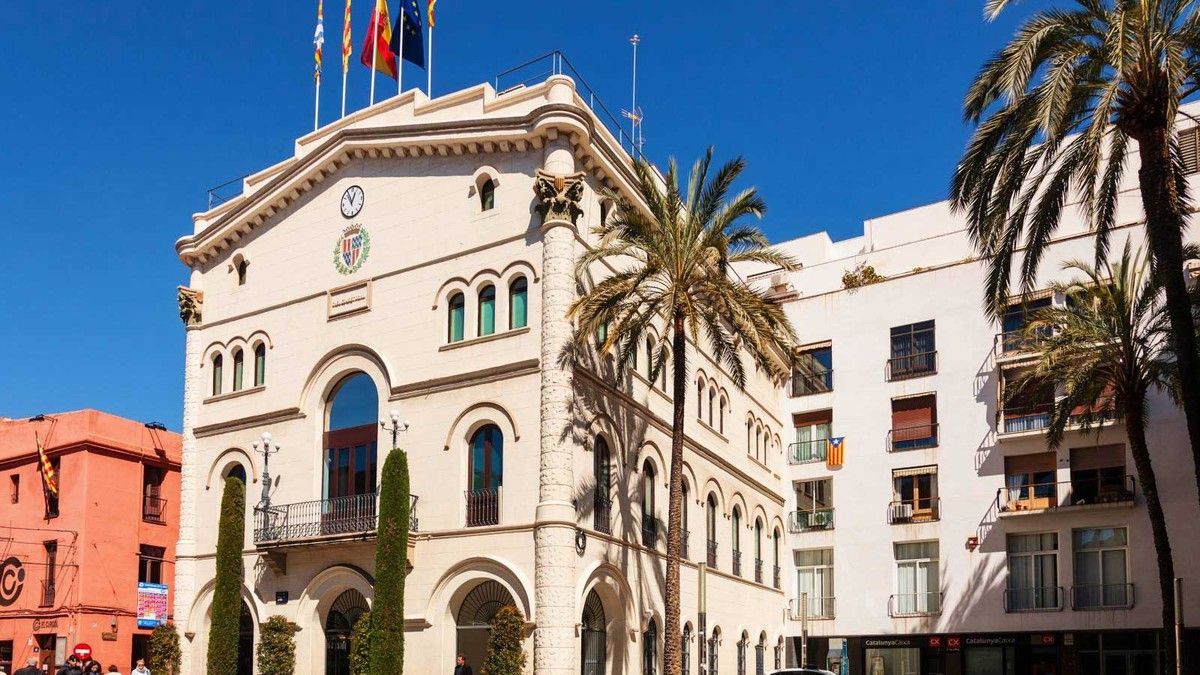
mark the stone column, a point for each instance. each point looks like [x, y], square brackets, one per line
[559, 190]
[190, 305]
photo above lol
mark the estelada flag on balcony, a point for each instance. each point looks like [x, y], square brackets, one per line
[379, 38]
[49, 476]
[836, 452]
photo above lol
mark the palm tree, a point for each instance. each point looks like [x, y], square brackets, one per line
[1056, 110]
[669, 258]
[1106, 349]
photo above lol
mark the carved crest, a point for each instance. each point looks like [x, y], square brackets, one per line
[191, 302]
[559, 196]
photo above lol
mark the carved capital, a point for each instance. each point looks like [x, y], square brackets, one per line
[559, 196]
[191, 302]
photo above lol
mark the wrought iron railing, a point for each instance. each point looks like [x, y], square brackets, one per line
[1017, 341]
[649, 531]
[1060, 494]
[915, 604]
[353, 514]
[712, 554]
[778, 578]
[804, 521]
[913, 438]
[807, 384]
[758, 570]
[154, 509]
[818, 608]
[1031, 418]
[911, 365]
[601, 515]
[1102, 596]
[483, 507]
[920, 510]
[736, 557]
[806, 452]
[1036, 599]
[47, 599]
[683, 545]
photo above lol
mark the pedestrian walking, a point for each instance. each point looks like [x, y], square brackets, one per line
[461, 667]
[31, 668]
[140, 668]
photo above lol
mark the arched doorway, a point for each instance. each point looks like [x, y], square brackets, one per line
[339, 626]
[474, 620]
[245, 654]
[594, 636]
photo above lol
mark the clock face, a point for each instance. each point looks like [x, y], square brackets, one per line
[352, 201]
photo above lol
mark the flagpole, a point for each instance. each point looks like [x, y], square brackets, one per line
[344, 90]
[345, 56]
[429, 66]
[317, 107]
[400, 55]
[374, 46]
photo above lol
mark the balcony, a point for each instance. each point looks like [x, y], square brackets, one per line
[683, 545]
[602, 515]
[920, 510]
[712, 554]
[758, 570]
[910, 366]
[778, 579]
[808, 452]
[333, 518]
[1039, 599]
[649, 531]
[818, 608]
[807, 521]
[737, 563]
[47, 599]
[905, 605]
[807, 384]
[483, 507]
[1036, 418]
[1033, 498]
[154, 510]
[1101, 596]
[1015, 344]
[917, 437]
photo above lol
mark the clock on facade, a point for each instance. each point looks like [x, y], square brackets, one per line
[352, 201]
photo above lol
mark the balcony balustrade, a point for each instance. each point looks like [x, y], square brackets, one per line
[602, 515]
[737, 563]
[778, 578]
[920, 510]
[1079, 492]
[1037, 599]
[712, 553]
[913, 438]
[807, 452]
[915, 604]
[353, 514]
[807, 384]
[683, 545]
[483, 507]
[909, 366]
[154, 510]
[1101, 596]
[805, 521]
[649, 531]
[758, 570]
[47, 599]
[818, 608]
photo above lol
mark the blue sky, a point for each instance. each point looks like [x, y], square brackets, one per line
[118, 116]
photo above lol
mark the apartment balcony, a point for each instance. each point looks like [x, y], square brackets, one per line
[483, 507]
[736, 557]
[154, 510]
[47, 599]
[758, 570]
[917, 437]
[1038, 599]
[1015, 345]
[808, 521]
[319, 519]
[1096, 597]
[1035, 419]
[921, 510]
[1080, 494]
[911, 366]
[649, 532]
[808, 452]
[815, 609]
[712, 554]
[602, 515]
[904, 605]
[808, 384]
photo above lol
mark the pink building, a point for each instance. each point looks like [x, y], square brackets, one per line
[73, 567]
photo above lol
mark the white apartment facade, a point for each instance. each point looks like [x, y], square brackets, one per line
[418, 256]
[951, 539]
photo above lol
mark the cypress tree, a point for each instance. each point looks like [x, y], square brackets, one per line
[360, 645]
[227, 592]
[391, 566]
[277, 647]
[504, 653]
[165, 656]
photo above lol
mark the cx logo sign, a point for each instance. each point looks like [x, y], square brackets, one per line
[12, 580]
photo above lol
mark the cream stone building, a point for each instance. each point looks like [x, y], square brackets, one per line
[418, 256]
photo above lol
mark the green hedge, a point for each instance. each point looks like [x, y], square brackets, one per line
[504, 653]
[360, 646]
[391, 566]
[227, 592]
[277, 647]
[165, 656]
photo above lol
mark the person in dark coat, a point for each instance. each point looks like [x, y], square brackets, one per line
[31, 668]
[461, 667]
[71, 667]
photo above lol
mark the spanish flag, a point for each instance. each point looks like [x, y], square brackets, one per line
[379, 38]
[49, 477]
[837, 452]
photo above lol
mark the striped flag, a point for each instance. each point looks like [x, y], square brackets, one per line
[49, 476]
[347, 47]
[429, 11]
[319, 40]
[836, 455]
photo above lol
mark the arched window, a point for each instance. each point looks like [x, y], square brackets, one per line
[518, 303]
[662, 373]
[236, 471]
[351, 446]
[721, 415]
[594, 637]
[700, 399]
[260, 364]
[487, 310]
[456, 317]
[650, 360]
[486, 476]
[779, 653]
[218, 364]
[650, 649]
[741, 653]
[775, 557]
[243, 266]
[736, 541]
[712, 397]
[602, 506]
[749, 437]
[487, 195]
[760, 655]
[685, 649]
[605, 209]
[757, 441]
[713, 643]
[758, 561]
[649, 522]
[683, 521]
[710, 529]
[239, 367]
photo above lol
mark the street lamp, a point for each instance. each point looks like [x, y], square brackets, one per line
[395, 427]
[267, 450]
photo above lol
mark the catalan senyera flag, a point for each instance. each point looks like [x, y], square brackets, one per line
[49, 476]
[429, 10]
[837, 452]
[347, 46]
[318, 41]
[379, 37]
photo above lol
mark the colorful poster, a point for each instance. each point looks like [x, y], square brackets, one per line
[151, 604]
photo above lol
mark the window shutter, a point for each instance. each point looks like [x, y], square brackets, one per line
[1023, 464]
[1189, 149]
[917, 411]
[810, 418]
[1100, 457]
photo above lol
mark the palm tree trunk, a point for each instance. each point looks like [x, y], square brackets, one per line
[672, 661]
[1164, 230]
[1135, 425]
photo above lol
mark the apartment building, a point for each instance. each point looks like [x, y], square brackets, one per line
[946, 536]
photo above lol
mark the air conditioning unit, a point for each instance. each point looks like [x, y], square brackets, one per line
[780, 283]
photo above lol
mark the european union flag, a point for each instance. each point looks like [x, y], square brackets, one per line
[408, 25]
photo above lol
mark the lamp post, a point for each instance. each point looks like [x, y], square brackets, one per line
[267, 450]
[395, 427]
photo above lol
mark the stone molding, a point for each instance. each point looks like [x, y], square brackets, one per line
[285, 415]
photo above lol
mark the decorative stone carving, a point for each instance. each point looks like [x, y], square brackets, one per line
[559, 196]
[191, 302]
